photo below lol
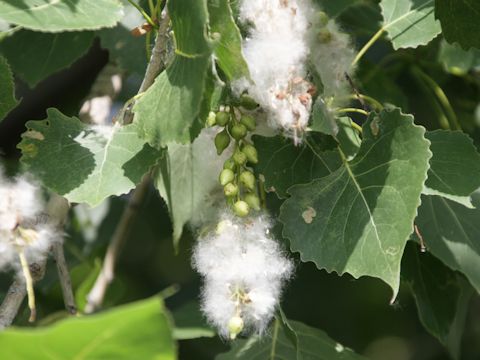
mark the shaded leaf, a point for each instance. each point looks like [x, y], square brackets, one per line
[85, 163]
[458, 61]
[190, 323]
[359, 218]
[228, 50]
[57, 16]
[451, 232]
[312, 344]
[140, 330]
[453, 154]
[348, 137]
[322, 120]
[442, 297]
[283, 164]
[168, 109]
[34, 55]
[7, 90]
[409, 23]
[459, 19]
[188, 175]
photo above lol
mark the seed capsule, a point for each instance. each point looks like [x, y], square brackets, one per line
[241, 208]
[238, 131]
[222, 140]
[247, 102]
[253, 201]
[235, 326]
[324, 36]
[322, 18]
[211, 119]
[247, 179]
[229, 164]
[226, 176]
[249, 122]
[239, 157]
[230, 190]
[222, 118]
[251, 153]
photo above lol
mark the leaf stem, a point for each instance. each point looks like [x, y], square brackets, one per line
[368, 45]
[351, 110]
[144, 14]
[374, 102]
[441, 97]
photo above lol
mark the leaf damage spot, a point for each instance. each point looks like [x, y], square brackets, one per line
[29, 150]
[33, 134]
[374, 126]
[309, 214]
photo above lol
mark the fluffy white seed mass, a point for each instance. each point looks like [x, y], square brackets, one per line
[244, 270]
[285, 36]
[22, 225]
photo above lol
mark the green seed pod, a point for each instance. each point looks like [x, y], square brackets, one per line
[235, 326]
[249, 122]
[230, 164]
[247, 102]
[239, 157]
[324, 36]
[241, 208]
[247, 179]
[222, 140]
[322, 18]
[238, 131]
[251, 153]
[253, 201]
[222, 118]
[211, 119]
[230, 190]
[226, 176]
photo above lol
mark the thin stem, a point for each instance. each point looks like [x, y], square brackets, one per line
[151, 6]
[97, 293]
[351, 110]
[441, 97]
[357, 127]
[64, 277]
[144, 14]
[368, 45]
[374, 102]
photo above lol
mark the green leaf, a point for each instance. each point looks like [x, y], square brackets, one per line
[313, 344]
[359, 218]
[348, 137]
[57, 15]
[187, 177]
[34, 56]
[127, 51]
[458, 61]
[83, 163]
[228, 50]
[442, 297]
[190, 323]
[7, 90]
[451, 232]
[409, 23]
[322, 119]
[453, 155]
[140, 330]
[282, 164]
[169, 108]
[459, 19]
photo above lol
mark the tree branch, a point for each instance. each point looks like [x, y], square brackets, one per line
[97, 293]
[64, 277]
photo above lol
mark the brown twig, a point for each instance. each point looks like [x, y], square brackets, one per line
[64, 277]
[357, 93]
[423, 248]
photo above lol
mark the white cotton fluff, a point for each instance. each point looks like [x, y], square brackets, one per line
[285, 37]
[332, 55]
[241, 256]
[276, 52]
[21, 225]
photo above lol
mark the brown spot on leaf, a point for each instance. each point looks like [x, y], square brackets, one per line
[33, 134]
[309, 214]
